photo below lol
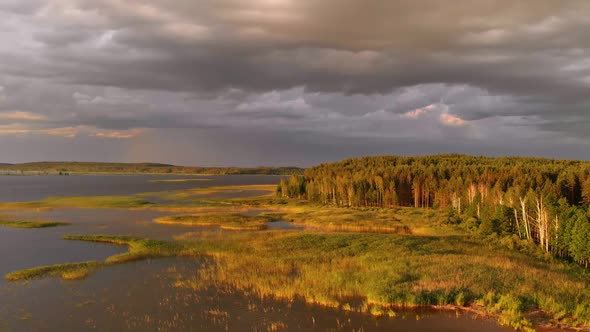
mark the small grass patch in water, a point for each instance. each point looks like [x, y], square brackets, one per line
[95, 202]
[181, 180]
[138, 249]
[31, 223]
[215, 195]
[67, 271]
[231, 221]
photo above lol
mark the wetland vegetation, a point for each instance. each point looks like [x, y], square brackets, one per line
[29, 223]
[180, 180]
[370, 258]
[230, 221]
[433, 264]
[100, 202]
[67, 271]
[138, 249]
[215, 195]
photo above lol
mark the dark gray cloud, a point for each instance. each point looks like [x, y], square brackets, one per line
[357, 77]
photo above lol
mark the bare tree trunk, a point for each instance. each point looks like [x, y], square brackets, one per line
[349, 195]
[542, 224]
[517, 223]
[525, 219]
[471, 191]
[334, 195]
[457, 203]
[556, 226]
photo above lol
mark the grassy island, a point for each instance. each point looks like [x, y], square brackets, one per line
[30, 223]
[230, 221]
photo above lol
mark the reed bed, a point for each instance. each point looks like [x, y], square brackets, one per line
[30, 223]
[230, 221]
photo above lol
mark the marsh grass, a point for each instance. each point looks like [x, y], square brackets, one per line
[230, 221]
[181, 180]
[378, 273]
[215, 195]
[202, 209]
[375, 273]
[371, 220]
[245, 226]
[31, 223]
[67, 271]
[96, 202]
[139, 249]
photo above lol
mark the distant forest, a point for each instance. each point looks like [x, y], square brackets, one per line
[138, 168]
[544, 201]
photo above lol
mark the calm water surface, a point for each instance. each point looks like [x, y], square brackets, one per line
[30, 188]
[141, 296]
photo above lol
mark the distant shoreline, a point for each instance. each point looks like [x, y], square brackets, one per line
[35, 173]
[71, 168]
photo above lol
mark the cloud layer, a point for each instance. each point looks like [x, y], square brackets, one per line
[317, 79]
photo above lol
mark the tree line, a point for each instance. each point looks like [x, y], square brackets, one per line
[545, 201]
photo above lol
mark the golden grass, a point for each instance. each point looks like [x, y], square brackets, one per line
[30, 223]
[370, 220]
[138, 249]
[373, 273]
[97, 202]
[377, 273]
[212, 194]
[229, 221]
[181, 180]
[67, 271]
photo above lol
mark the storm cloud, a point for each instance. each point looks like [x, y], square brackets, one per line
[292, 82]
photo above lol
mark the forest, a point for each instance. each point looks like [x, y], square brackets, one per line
[544, 201]
[138, 168]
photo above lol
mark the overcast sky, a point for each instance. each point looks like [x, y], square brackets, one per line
[292, 82]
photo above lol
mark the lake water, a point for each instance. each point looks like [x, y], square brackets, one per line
[140, 296]
[30, 188]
